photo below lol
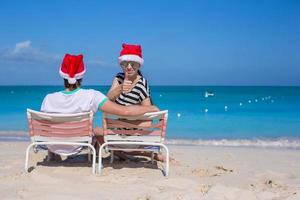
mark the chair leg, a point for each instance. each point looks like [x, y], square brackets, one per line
[100, 157]
[89, 155]
[94, 157]
[27, 156]
[152, 157]
[94, 161]
[111, 157]
[167, 160]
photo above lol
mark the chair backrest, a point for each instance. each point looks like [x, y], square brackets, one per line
[59, 125]
[147, 127]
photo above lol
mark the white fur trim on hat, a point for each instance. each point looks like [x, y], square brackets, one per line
[72, 80]
[76, 77]
[129, 57]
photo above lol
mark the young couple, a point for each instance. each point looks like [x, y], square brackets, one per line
[129, 94]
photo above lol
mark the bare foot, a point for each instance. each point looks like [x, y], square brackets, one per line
[159, 157]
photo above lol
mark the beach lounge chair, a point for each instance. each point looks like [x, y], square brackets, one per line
[72, 130]
[139, 133]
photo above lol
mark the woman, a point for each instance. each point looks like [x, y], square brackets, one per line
[130, 87]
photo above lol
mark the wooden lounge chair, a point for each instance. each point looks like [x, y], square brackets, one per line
[139, 133]
[60, 129]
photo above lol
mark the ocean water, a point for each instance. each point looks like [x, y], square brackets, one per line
[251, 116]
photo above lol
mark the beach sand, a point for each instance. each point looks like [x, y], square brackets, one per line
[196, 172]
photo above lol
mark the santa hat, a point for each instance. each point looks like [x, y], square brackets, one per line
[72, 68]
[131, 53]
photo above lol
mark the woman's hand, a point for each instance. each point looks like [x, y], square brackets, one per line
[115, 90]
[126, 86]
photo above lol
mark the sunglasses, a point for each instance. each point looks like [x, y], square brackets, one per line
[134, 65]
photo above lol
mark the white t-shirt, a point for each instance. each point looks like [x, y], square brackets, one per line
[76, 101]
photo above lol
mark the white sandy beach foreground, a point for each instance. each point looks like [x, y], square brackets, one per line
[196, 172]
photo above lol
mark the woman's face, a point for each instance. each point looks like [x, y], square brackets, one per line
[130, 67]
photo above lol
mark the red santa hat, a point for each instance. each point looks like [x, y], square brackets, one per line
[131, 53]
[72, 68]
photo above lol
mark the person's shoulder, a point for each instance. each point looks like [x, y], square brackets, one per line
[90, 92]
[143, 78]
[53, 95]
[120, 75]
[143, 81]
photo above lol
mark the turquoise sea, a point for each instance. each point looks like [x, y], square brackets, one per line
[263, 116]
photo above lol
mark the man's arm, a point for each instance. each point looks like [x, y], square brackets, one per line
[146, 102]
[113, 108]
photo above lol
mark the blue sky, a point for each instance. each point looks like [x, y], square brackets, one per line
[184, 42]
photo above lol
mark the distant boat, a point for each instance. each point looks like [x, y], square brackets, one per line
[209, 94]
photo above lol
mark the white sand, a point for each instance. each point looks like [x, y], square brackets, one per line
[196, 172]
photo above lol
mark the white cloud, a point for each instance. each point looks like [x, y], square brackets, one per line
[24, 52]
[22, 46]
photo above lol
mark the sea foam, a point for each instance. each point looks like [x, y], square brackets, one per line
[264, 143]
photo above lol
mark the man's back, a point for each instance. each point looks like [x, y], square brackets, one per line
[76, 101]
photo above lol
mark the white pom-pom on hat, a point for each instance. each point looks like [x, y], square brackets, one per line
[72, 80]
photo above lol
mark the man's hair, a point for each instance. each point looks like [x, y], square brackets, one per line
[72, 87]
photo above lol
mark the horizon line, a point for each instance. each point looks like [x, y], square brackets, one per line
[61, 85]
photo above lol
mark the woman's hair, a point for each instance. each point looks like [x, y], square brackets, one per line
[72, 87]
[139, 72]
